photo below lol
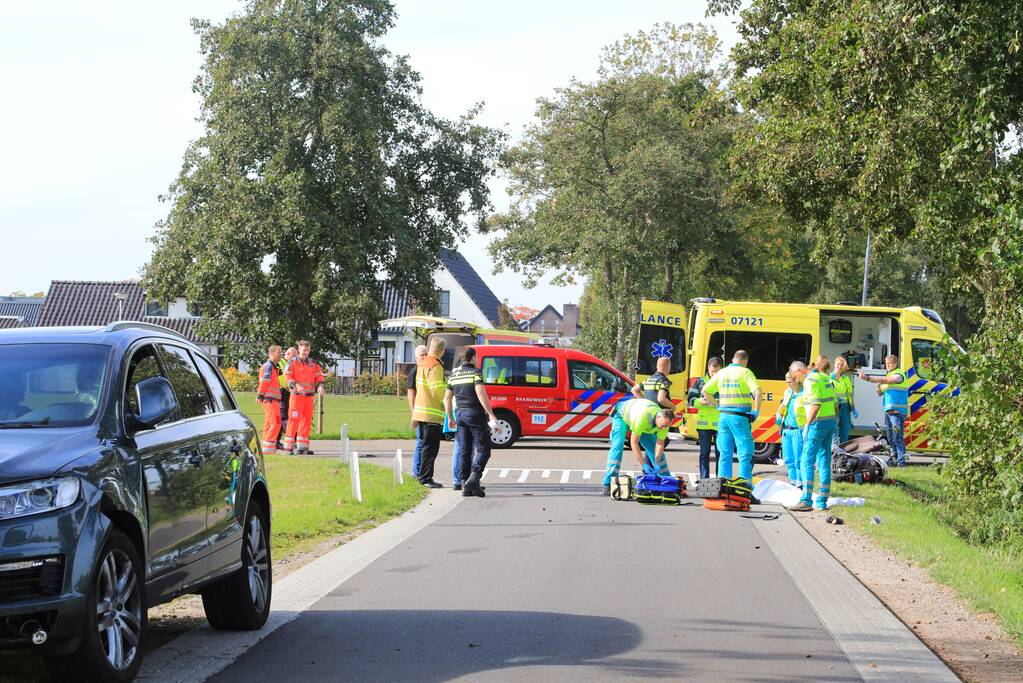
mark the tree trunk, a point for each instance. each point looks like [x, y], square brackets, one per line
[669, 278]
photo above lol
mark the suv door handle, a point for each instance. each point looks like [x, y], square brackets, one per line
[196, 459]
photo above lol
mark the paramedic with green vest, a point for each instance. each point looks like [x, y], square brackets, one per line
[738, 405]
[842, 379]
[791, 417]
[706, 417]
[649, 424]
[894, 390]
[819, 402]
[657, 387]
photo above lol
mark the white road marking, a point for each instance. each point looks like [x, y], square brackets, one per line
[565, 474]
[546, 474]
[524, 475]
[504, 474]
[565, 477]
[587, 474]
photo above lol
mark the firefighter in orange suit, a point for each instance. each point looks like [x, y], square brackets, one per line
[269, 394]
[304, 379]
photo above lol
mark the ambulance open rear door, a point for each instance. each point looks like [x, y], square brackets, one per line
[662, 333]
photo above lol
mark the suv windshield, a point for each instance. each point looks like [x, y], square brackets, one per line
[50, 385]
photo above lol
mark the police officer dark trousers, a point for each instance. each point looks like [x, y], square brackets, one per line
[467, 391]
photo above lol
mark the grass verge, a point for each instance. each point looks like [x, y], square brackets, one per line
[989, 579]
[368, 417]
[312, 500]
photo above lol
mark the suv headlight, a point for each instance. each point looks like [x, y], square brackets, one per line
[34, 497]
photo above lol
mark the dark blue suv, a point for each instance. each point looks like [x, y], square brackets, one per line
[128, 476]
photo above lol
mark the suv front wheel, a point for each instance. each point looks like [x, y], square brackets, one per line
[111, 646]
[241, 601]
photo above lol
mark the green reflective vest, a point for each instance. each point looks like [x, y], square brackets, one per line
[843, 388]
[818, 390]
[640, 415]
[791, 406]
[706, 416]
[734, 386]
[896, 396]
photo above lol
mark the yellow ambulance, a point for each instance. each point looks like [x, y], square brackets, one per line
[776, 334]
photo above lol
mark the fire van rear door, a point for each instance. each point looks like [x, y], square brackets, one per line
[662, 333]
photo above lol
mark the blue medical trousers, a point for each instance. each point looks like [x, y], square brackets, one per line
[735, 433]
[417, 453]
[648, 442]
[792, 452]
[706, 438]
[895, 430]
[817, 453]
[844, 427]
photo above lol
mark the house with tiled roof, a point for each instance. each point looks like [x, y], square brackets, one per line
[77, 302]
[20, 311]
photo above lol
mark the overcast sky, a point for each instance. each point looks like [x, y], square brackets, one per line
[97, 110]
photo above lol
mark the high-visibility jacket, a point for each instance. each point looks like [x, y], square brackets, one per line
[706, 416]
[282, 366]
[843, 388]
[303, 376]
[895, 397]
[269, 388]
[819, 391]
[653, 384]
[792, 412]
[735, 386]
[640, 415]
[430, 388]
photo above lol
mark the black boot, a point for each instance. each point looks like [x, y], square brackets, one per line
[472, 486]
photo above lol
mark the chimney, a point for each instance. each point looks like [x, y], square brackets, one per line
[570, 320]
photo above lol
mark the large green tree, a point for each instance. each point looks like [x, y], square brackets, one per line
[318, 170]
[902, 118]
[618, 180]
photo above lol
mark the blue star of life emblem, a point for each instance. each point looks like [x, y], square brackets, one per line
[661, 349]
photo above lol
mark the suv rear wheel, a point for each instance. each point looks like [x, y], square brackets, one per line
[241, 601]
[111, 646]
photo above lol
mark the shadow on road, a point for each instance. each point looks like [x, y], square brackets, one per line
[444, 645]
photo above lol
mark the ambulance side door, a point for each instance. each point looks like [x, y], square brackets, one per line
[920, 349]
[662, 333]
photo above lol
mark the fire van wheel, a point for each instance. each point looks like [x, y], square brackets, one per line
[507, 431]
[764, 453]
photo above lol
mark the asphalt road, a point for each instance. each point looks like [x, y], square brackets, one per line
[555, 582]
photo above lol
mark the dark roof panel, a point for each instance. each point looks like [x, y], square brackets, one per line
[73, 302]
[472, 283]
[25, 308]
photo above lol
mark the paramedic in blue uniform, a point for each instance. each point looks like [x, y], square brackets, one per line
[467, 391]
[735, 392]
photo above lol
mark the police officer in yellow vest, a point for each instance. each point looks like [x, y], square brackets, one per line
[791, 417]
[819, 402]
[894, 389]
[738, 405]
[706, 417]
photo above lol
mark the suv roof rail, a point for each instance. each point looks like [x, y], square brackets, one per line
[138, 325]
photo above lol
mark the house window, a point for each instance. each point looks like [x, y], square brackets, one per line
[156, 309]
[445, 304]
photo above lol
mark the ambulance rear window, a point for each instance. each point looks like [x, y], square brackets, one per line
[770, 353]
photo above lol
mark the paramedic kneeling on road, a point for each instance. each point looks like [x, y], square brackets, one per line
[649, 424]
[738, 406]
[466, 389]
[894, 389]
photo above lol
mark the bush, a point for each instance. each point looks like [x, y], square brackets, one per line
[381, 385]
[239, 381]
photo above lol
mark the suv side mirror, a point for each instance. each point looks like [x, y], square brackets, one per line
[156, 401]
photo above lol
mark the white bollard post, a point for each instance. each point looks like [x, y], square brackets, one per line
[356, 480]
[344, 444]
[398, 475]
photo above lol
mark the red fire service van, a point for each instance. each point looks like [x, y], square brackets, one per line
[543, 391]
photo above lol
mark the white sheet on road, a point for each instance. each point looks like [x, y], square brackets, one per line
[775, 491]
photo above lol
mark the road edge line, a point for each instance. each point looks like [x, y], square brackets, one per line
[876, 642]
[202, 652]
